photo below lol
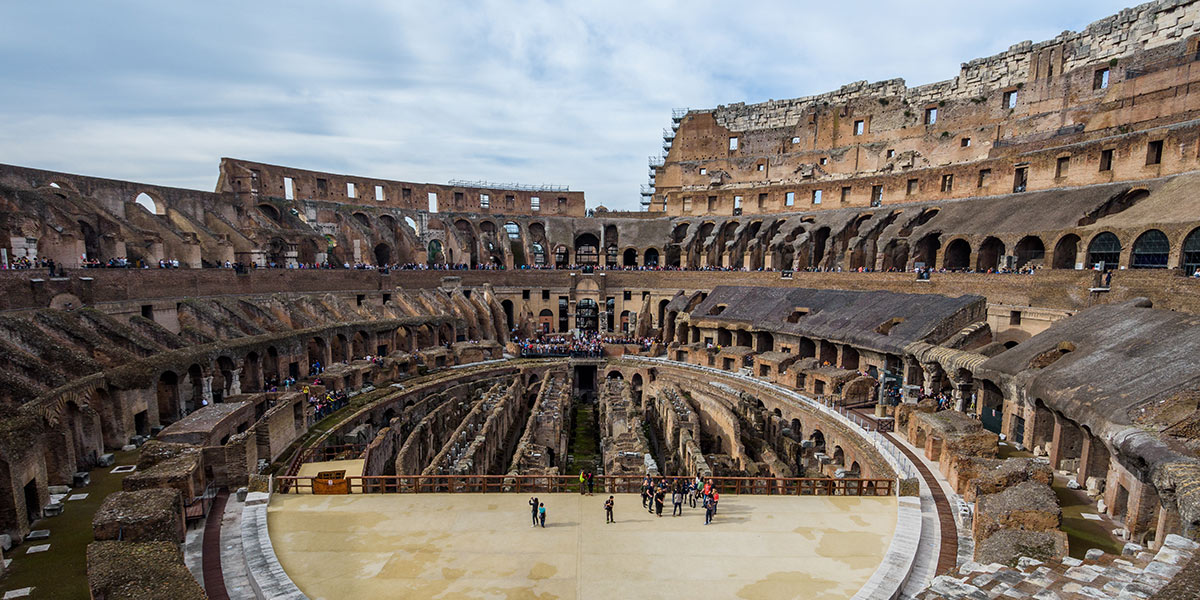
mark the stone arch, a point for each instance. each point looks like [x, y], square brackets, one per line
[764, 341]
[224, 379]
[806, 348]
[650, 257]
[167, 393]
[849, 358]
[383, 254]
[819, 242]
[895, 255]
[152, 204]
[587, 249]
[434, 254]
[362, 219]
[507, 305]
[271, 365]
[252, 379]
[1151, 250]
[629, 257]
[587, 315]
[796, 428]
[316, 351]
[340, 348]
[360, 345]
[927, 249]
[635, 387]
[988, 256]
[270, 212]
[1105, 247]
[195, 388]
[91, 240]
[1029, 249]
[1189, 258]
[957, 255]
[1066, 251]
[839, 456]
[817, 437]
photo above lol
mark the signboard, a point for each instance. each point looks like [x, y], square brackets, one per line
[331, 483]
[785, 274]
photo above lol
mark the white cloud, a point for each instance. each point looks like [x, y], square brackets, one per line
[538, 92]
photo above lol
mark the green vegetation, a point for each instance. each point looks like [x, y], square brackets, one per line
[585, 439]
[1082, 534]
[70, 533]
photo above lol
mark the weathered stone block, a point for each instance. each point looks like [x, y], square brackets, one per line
[121, 570]
[141, 516]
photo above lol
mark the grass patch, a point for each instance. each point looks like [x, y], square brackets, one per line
[61, 571]
[585, 439]
[1083, 534]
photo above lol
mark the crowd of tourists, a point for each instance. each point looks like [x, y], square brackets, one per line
[683, 491]
[586, 344]
[322, 406]
[654, 493]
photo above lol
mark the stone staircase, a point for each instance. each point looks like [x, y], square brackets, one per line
[1138, 574]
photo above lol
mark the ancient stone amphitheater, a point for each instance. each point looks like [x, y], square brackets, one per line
[964, 316]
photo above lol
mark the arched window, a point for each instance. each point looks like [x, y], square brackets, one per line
[1191, 252]
[1150, 250]
[145, 201]
[513, 230]
[435, 252]
[539, 254]
[1105, 248]
[651, 258]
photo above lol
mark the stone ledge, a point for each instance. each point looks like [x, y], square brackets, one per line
[897, 565]
[266, 575]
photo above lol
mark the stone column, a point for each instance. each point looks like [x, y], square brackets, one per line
[235, 382]
[206, 395]
[1168, 523]
[1066, 442]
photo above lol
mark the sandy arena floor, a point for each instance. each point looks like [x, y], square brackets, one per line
[482, 546]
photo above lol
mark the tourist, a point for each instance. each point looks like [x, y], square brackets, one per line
[691, 493]
[608, 508]
[533, 509]
[659, 497]
[590, 477]
[716, 497]
[582, 482]
[677, 501]
[708, 510]
[542, 514]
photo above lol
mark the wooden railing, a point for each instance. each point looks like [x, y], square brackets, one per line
[317, 454]
[608, 484]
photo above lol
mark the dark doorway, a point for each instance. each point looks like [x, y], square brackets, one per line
[33, 506]
[140, 424]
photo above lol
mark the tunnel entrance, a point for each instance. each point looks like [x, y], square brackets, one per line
[585, 380]
[33, 506]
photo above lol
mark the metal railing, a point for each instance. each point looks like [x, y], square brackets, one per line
[608, 484]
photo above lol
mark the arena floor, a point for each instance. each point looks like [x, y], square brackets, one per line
[482, 546]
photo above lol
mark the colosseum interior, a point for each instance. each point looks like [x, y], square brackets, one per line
[948, 333]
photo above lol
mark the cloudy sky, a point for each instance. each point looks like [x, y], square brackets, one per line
[568, 93]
